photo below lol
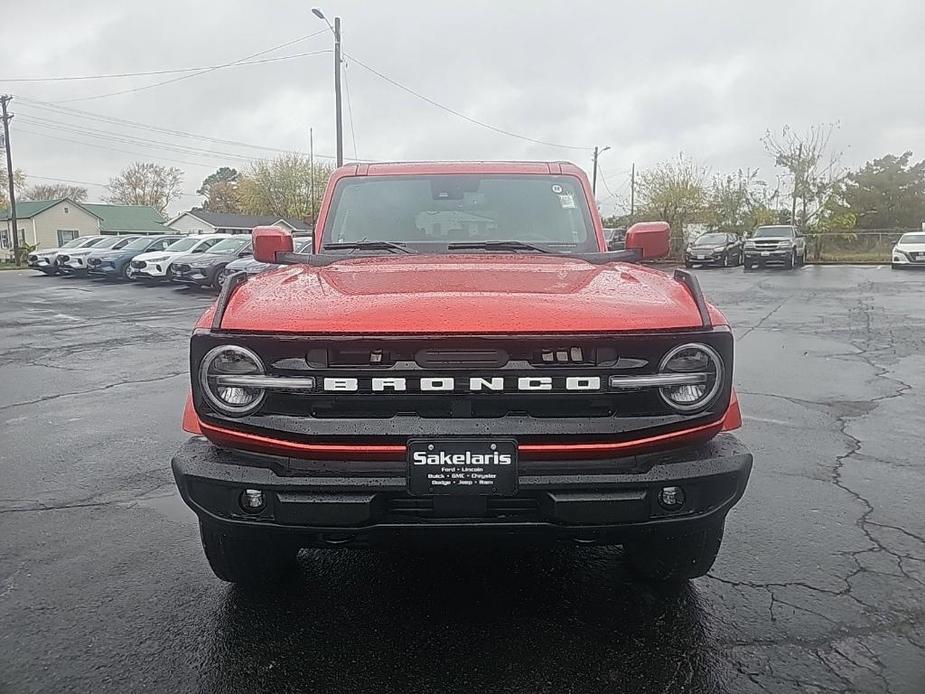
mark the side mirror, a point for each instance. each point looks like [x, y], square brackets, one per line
[268, 241]
[649, 239]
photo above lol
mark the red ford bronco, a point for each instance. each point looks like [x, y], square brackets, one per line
[461, 356]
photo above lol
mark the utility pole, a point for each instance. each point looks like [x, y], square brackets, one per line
[632, 191]
[7, 117]
[337, 62]
[337, 66]
[311, 178]
[597, 153]
[796, 179]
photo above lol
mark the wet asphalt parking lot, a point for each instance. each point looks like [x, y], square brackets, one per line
[819, 587]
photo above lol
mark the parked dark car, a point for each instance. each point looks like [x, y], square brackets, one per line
[252, 266]
[116, 263]
[715, 248]
[615, 238]
[205, 269]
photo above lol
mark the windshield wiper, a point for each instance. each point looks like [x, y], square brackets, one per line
[500, 246]
[368, 246]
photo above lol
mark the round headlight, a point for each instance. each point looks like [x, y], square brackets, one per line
[230, 361]
[693, 359]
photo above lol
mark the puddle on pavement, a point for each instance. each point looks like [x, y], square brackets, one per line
[168, 504]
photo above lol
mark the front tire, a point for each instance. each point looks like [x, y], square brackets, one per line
[791, 261]
[671, 559]
[248, 561]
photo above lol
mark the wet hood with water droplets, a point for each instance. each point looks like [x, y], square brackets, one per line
[461, 294]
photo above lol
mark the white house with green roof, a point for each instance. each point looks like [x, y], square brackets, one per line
[52, 223]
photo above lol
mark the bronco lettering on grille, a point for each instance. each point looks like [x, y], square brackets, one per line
[473, 384]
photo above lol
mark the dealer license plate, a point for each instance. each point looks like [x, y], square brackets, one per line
[765, 253]
[462, 466]
[701, 257]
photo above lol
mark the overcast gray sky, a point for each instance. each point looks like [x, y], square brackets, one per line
[649, 79]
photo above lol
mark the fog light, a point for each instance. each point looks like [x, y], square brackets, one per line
[671, 498]
[252, 500]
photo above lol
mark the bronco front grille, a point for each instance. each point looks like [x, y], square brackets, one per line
[393, 416]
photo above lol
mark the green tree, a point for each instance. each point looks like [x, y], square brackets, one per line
[145, 183]
[55, 191]
[220, 190]
[19, 182]
[675, 191]
[739, 202]
[886, 193]
[283, 186]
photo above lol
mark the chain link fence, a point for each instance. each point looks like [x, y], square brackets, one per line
[847, 246]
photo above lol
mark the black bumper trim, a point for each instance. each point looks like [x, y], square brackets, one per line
[366, 505]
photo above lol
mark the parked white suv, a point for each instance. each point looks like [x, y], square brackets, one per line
[155, 266]
[44, 260]
[909, 251]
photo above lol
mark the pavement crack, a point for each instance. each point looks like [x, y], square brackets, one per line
[108, 386]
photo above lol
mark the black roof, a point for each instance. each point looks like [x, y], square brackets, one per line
[222, 220]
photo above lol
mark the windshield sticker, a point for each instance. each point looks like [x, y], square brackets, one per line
[556, 188]
[566, 201]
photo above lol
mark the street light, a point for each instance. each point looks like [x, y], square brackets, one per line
[337, 103]
[597, 153]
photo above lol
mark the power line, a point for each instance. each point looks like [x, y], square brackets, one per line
[195, 74]
[353, 134]
[128, 139]
[148, 73]
[459, 114]
[58, 179]
[122, 151]
[88, 115]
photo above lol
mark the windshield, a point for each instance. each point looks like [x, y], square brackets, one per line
[912, 238]
[437, 210]
[773, 232]
[183, 244]
[79, 241]
[708, 239]
[139, 244]
[230, 245]
[107, 242]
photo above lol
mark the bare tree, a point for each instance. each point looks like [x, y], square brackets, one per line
[145, 183]
[55, 191]
[814, 170]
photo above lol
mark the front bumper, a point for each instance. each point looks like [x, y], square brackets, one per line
[198, 277]
[43, 264]
[104, 270]
[908, 259]
[704, 258]
[602, 501]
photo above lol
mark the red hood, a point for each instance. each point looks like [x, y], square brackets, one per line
[463, 294]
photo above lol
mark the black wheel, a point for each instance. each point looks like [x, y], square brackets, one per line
[217, 278]
[791, 261]
[725, 260]
[688, 264]
[747, 266]
[168, 275]
[670, 558]
[249, 561]
[126, 272]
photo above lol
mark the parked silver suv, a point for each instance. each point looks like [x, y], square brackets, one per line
[781, 243]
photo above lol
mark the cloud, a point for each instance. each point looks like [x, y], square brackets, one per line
[649, 80]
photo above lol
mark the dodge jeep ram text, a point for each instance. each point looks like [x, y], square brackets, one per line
[461, 357]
